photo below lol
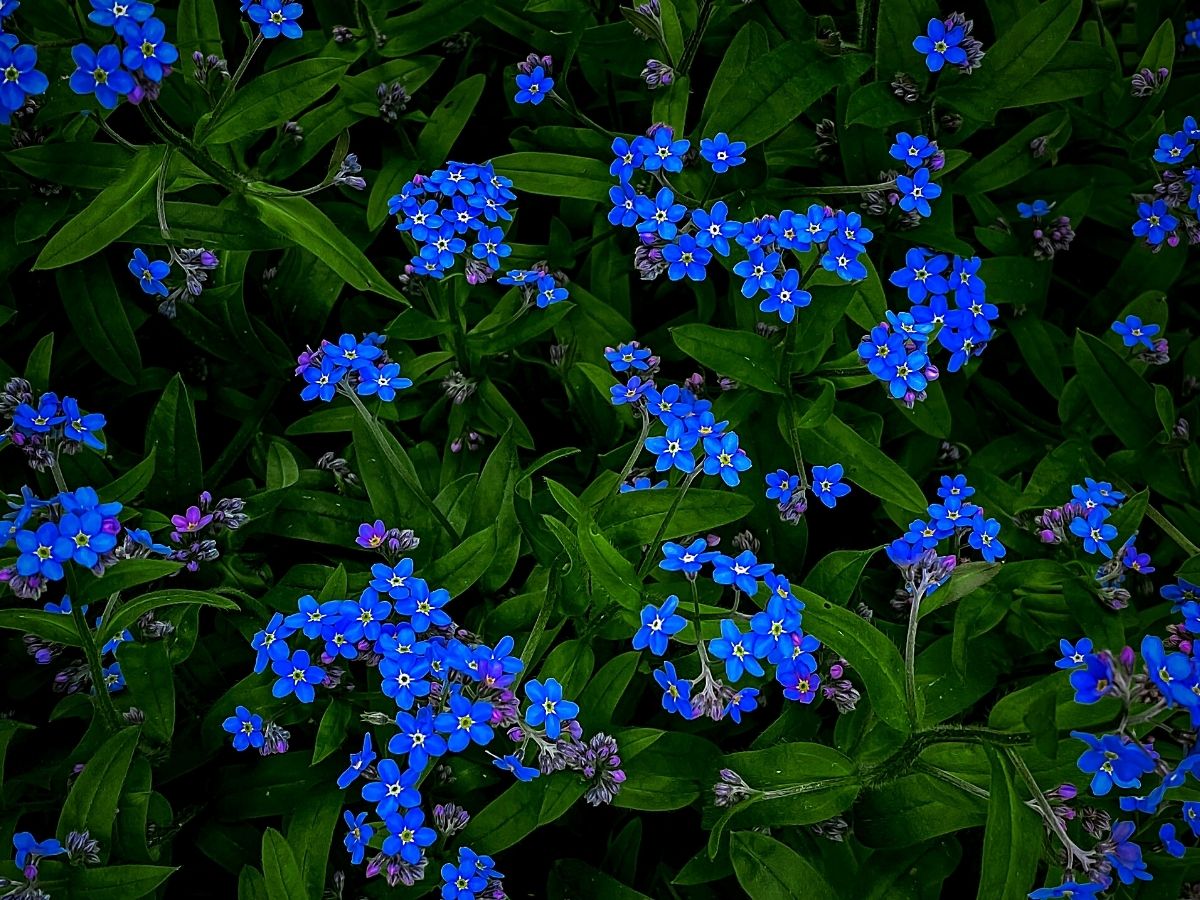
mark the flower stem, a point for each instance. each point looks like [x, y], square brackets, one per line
[227, 94]
[651, 550]
[1053, 822]
[910, 654]
[410, 482]
[632, 461]
[693, 42]
[699, 640]
[573, 110]
[1172, 532]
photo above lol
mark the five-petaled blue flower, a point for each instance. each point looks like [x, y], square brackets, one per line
[246, 728]
[43, 552]
[1173, 148]
[418, 738]
[150, 274]
[322, 381]
[296, 676]
[662, 151]
[737, 651]
[534, 87]
[1133, 332]
[275, 17]
[723, 456]
[689, 559]
[549, 292]
[1094, 681]
[382, 382]
[465, 722]
[1073, 655]
[1112, 761]
[547, 706]
[984, 538]
[674, 448]
[462, 881]
[1154, 222]
[714, 228]
[659, 624]
[676, 696]
[407, 835]
[757, 272]
[742, 571]
[940, 45]
[80, 427]
[18, 77]
[916, 192]
[722, 153]
[359, 834]
[913, 151]
[627, 156]
[100, 73]
[392, 788]
[146, 51]
[1034, 210]
[1095, 531]
[628, 356]
[686, 258]
[781, 485]
[110, 13]
[827, 484]
[785, 296]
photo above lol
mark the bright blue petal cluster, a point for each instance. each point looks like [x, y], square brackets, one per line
[1134, 332]
[276, 18]
[459, 211]
[955, 518]
[73, 527]
[452, 692]
[1171, 218]
[921, 157]
[40, 427]
[353, 364]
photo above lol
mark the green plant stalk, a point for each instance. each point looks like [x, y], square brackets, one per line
[652, 549]
[1172, 532]
[413, 485]
[910, 654]
[227, 94]
[629, 463]
[1043, 805]
[539, 625]
[693, 42]
[104, 703]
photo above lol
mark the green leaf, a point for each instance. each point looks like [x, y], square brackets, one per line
[635, 520]
[303, 223]
[461, 567]
[92, 803]
[332, 730]
[778, 91]
[130, 612]
[37, 367]
[280, 869]
[94, 307]
[746, 48]
[899, 22]
[1037, 349]
[770, 870]
[866, 648]
[446, 123]
[816, 782]
[273, 98]
[393, 498]
[132, 483]
[114, 211]
[836, 575]
[88, 166]
[197, 27]
[310, 832]
[741, 355]
[610, 571]
[171, 437]
[108, 883]
[150, 684]
[130, 573]
[49, 626]
[965, 579]
[1012, 159]
[1123, 400]
[1016, 58]
[555, 175]
[866, 465]
[1012, 839]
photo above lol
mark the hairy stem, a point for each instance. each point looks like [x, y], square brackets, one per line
[1172, 532]
[651, 551]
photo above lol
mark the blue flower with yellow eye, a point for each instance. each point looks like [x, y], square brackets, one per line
[674, 448]
[736, 650]
[722, 153]
[723, 456]
[534, 87]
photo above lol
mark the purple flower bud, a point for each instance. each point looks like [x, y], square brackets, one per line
[1127, 657]
[836, 670]
[712, 540]
[456, 445]
[1067, 791]
[516, 734]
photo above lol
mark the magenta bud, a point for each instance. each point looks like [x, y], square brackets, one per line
[712, 540]
[932, 373]
[1185, 646]
[835, 671]
[30, 872]
[1067, 791]
[456, 445]
[1127, 657]
[516, 735]
[1066, 812]
[1048, 537]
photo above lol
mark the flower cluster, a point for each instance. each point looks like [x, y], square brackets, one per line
[915, 188]
[684, 249]
[773, 635]
[353, 366]
[1049, 237]
[949, 40]
[1085, 516]
[452, 693]
[790, 492]
[1168, 682]
[72, 526]
[897, 350]
[690, 424]
[46, 427]
[194, 532]
[134, 71]
[441, 211]
[195, 263]
[1173, 209]
[954, 518]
